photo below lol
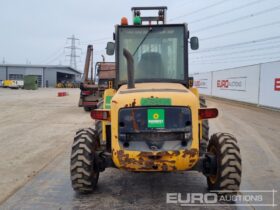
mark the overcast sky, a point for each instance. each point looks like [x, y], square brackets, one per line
[36, 31]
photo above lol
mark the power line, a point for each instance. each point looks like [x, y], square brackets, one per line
[96, 41]
[56, 58]
[240, 51]
[247, 46]
[101, 39]
[276, 58]
[249, 61]
[56, 55]
[230, 46]
[181, 3]
[239, 31]
[199, 10]
[238, 57]
[226, 12]
[238, 19]
[73, 48]
[51, 55]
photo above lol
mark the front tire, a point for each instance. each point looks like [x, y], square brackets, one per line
[84, 170]
[228, 174]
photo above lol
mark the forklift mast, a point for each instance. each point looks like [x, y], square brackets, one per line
[161, 18]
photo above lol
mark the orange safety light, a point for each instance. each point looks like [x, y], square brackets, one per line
[100, 114]
[124, 21]
[207, 113]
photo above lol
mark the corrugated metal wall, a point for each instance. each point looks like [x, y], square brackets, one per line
[3, 75]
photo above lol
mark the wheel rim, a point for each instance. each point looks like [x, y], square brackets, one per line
[213, 178]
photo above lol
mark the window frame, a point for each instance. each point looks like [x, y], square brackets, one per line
[183, 81]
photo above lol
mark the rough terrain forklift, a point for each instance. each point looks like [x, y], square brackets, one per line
[153, 120]
[92, 88]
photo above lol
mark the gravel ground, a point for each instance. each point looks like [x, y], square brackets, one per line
[37, 129]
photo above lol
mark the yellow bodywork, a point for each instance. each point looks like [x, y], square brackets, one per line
[107, 105]
[178, 160]
[7, 83]
[195, 92]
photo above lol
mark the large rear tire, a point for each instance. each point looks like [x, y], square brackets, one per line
[205, 129]
[84, 170]
[228, 174]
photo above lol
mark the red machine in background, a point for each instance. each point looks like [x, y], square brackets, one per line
[92, 88]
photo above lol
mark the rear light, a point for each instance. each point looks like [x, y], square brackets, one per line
[124, 21]
[86, 92]
[100, 114]
[207, 113]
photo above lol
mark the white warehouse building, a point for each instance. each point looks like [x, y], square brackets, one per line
[48, 75]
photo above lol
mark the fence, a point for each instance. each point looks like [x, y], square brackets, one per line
[256, 84]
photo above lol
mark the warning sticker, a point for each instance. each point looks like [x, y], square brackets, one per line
[156, 101]
[156, 118]
[108, 102]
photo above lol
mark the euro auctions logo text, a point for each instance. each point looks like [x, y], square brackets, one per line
[202, 83]
[277, 84]
[235, 83]
[222, 83]
[249, 198]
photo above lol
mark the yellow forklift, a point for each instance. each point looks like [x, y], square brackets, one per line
[154, 120]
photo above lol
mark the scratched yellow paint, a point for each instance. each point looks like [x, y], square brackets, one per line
[107, 92]
[134, 160]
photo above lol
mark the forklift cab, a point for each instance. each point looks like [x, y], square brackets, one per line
[159, 50]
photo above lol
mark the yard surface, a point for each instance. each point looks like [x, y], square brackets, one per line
[36, 133]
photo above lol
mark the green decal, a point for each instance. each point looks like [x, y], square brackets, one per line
[156, 101]
[108, 102]
[156, 118]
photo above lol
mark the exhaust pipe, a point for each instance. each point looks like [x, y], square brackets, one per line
[130, 68]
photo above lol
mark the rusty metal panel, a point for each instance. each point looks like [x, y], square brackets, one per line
[107, 71]
[107, 66]
[107, 74]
